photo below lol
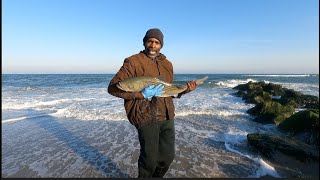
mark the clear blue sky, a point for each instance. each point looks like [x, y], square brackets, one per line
[200, 36]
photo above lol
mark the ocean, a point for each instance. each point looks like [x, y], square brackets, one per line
[67, 125]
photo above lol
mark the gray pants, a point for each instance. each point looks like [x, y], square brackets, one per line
[157, 148]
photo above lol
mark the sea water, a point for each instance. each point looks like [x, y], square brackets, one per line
[67, 125]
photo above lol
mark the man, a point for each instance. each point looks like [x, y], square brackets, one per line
[151, 115]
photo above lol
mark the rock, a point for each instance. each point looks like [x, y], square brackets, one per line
[271, 112]
[252, 90]
[240, 93]
[259, 97]
[244, 87]
[274, 89]
[276, 110]
[302, 100]
[312, 105]
[298, 154]
[300, 121]
[303, 121]
[268, 145]
[289, 167]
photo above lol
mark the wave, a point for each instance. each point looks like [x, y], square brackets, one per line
[305, 88]
[264, 169]
[310, 89]
[28, 88]
[234, 82]
[13, 120]
[208, 112]
[88, 114]
[279, 75]
[235, 138]
[117, 112]
[34, 104]
[78, 113]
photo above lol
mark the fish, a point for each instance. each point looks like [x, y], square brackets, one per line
[137, 84]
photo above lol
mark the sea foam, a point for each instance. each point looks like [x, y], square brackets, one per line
[238, 137]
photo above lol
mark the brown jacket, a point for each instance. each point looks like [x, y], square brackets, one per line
[142, 111]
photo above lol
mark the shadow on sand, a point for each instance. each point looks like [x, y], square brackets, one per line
[89, 154]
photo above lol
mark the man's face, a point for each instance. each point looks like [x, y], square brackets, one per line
[152, 47]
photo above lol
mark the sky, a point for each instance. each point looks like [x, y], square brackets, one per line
[200, 36]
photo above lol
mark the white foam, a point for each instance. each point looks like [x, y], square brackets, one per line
[311, 89]
[223, 113]
[276, 97]
[13, 120]
[299, 109]
[90, 114]
[278, 75]
[238, 137]
[263, 170]
[200, 133]
[214, 104]
[235, 138]
[234, 82]
[36, 103]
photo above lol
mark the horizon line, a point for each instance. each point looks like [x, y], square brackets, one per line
[174, 73]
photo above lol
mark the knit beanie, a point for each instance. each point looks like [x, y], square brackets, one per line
[154, 33]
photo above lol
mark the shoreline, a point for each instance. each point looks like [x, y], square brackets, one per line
[65, 148]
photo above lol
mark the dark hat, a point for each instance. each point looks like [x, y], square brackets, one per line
[154, 33]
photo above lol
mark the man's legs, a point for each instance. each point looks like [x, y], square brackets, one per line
[157, 148]
[149, 148]
[166, 148]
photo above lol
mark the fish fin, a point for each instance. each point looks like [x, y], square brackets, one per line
[161, 78]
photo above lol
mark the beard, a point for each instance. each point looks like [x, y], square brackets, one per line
[152, 53]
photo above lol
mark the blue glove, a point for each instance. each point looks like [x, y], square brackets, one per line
[159, 91]
[151, 91]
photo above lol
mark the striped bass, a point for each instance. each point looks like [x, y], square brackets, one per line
[137, 84]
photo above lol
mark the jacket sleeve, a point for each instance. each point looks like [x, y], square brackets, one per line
[127, 70]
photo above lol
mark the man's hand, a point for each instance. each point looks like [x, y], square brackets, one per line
[151, 91]
[192, 85]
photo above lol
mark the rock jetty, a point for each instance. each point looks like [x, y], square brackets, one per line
[295, 114]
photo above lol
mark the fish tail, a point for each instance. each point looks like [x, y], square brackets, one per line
[200, 81]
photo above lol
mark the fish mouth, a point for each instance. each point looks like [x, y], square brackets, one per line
[119, 86]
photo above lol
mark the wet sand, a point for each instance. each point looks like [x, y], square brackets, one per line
[52, 147]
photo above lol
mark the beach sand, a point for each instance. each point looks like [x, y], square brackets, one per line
[47, 146]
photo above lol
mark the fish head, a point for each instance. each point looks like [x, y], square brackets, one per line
[119, 86]
[124, 86]
[136, 84]
[127, 86]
